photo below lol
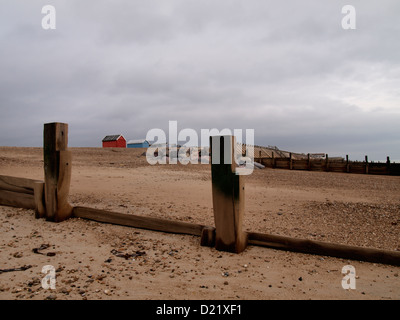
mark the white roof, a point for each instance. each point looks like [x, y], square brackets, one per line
[136, 141]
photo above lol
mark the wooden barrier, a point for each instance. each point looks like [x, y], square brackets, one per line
[332, 165]
[22, 193]
[17, 199]
[16, 184]
[325, 248]
[141, 222]
[57, 171]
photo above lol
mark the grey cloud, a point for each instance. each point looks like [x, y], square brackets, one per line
[286, 69]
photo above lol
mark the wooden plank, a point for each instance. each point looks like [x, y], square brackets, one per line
[21, 192]
[378, 168]
[16, 184]
[356, 167]
[267, 162]
[17, 199]
[228, 196]
[317, 165]
[282, 163]
[300, 164]
[140, 222]
[337, 166]
[325, 248]
[57, 170]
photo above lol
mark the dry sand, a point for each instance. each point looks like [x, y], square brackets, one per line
[351, 209]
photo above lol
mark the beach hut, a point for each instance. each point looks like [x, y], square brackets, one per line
[114, 141]
[138, 144]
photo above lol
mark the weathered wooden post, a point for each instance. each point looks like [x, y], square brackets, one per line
[308, 162]
[388, 165]
[57, 171]
[347, 164]
[290, 161]
[228, 196]
[366, 164]
[327, 162]
[273, 160]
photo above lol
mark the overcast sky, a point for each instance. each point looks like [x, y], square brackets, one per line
[286, 69]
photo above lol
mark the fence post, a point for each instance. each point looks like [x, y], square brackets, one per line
[57, 171]
[290, 161]
[366, 164]
[273, 160]
[308, 162]
[347, 164]
[388, 164]
[228, 196]
[327, 162]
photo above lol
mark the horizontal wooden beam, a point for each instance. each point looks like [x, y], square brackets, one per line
[17, 199]
[16, 184]
[130, 220]
[325, 248]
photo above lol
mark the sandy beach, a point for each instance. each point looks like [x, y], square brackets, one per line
[102, 261]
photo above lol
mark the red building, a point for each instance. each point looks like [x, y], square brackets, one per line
[115, 141]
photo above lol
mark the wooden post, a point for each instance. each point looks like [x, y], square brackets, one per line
[228, 196]
[290, 161]
[388, 164]
[57, 171]
[308, 162]
[327, 162]
[273, 160]
[347, 164]
[366, 164]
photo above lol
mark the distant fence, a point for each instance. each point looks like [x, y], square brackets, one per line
[312, 164]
